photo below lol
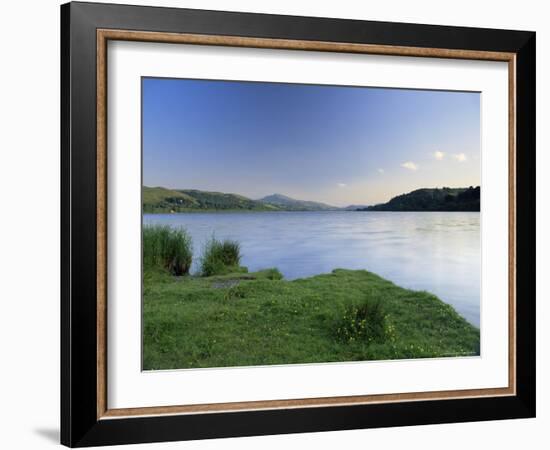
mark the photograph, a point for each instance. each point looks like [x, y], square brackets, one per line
[288, 223]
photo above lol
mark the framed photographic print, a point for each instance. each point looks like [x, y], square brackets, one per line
[276, 224]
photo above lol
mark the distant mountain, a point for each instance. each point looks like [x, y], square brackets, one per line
[354, 207]
[162, 200]
[444, 199]
[290, 204]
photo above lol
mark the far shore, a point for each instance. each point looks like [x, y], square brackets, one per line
[248, 211]
[162, 200]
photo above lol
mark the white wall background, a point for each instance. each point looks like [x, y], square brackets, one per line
[29, 223]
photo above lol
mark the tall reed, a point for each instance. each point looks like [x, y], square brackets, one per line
[168, 248]
[219, 256]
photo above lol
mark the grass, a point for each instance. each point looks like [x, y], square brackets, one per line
[220, 257]
[246, 319]
[167, 248]
[367, 322]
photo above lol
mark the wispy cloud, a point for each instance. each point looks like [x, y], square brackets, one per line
[380, 170]
[342, 185]
[439, 155]
[460, 157]
[410, 165]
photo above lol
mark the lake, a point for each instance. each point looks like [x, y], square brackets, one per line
[434, 251]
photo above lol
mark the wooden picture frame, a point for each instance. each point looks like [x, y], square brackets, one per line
[86, 418]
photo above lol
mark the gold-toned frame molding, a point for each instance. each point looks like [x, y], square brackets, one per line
[103, 36]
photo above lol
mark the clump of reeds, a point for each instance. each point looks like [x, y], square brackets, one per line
[168, 248]
[220, 256]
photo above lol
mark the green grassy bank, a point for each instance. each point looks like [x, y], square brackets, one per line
[243, 319]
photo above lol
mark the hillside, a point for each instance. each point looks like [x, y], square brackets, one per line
[221, 201]
[290, 204]
[159, 199]
[444, 199]
[162, 200]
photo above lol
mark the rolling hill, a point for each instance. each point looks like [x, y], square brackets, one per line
[444, 199]
[159, 198]
[162, 200]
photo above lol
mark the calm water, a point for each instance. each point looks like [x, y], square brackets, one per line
[434, 251]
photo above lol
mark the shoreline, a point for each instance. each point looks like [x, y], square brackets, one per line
[220, 211]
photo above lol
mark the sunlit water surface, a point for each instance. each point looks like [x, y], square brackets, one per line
[434, 251]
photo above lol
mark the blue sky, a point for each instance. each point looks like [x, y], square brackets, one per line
[339, 145]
